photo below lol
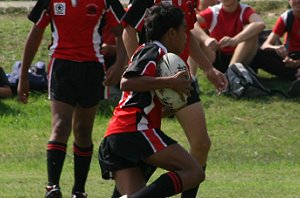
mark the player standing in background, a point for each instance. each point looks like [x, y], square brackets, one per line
[76, 78]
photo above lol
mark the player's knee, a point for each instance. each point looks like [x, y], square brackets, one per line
[197, 175]
[60, 132]
[201, 145]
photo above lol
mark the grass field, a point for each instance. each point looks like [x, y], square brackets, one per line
[255, 142]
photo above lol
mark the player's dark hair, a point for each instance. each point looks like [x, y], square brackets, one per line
[159, 18]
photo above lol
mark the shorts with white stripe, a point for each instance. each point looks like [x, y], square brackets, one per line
[129, 149]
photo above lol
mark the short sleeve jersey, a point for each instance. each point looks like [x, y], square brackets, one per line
[292, 39]
[136, 13]
[221, 23]
[139, 111]
[76, 26]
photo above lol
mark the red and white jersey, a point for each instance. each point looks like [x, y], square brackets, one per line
[138, 111]
[221, 23]
[136, 13]
[292, 39]
[76, 26]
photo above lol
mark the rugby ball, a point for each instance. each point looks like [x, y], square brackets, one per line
[169, 65]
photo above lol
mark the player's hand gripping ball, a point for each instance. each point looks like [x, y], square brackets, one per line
[169, 65]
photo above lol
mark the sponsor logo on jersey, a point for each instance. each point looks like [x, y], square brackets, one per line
[60, 8]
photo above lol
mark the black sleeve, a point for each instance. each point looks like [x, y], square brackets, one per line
[141, 59]
[116, 8]
[136, 12]
[37, 10]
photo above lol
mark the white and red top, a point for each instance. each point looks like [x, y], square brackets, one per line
[138, 111]
[221, 23]
[292, 38]
[76, 26]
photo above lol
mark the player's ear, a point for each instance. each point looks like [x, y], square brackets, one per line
[172, 32]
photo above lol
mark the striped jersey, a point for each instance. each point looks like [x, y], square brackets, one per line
[139, 111]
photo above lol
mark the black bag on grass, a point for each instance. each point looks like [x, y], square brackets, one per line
[37, 76]
[243, 82]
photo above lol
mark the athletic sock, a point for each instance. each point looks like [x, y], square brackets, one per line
[56, 153]
[82, 161]
[191, 193]
[166, 185]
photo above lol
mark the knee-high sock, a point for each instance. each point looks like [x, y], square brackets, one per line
[166, 185]
[82, 161]
[56, 153]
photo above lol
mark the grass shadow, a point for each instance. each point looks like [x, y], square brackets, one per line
[6, 109]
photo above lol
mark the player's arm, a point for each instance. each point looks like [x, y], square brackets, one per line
[114, 73]
[179, 82]
[130, 40]
[255, 26]
[32, 44]
[270, 43]
[216, 77]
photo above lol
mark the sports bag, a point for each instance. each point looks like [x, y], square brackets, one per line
[37, 76]
[243, 82]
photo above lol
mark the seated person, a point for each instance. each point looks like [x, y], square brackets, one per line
[134, 142]
[5, 89]
[233, 33]
[283, 60]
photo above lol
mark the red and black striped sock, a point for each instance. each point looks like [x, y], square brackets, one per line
[82, 161]
[56, 153]
[166, 185]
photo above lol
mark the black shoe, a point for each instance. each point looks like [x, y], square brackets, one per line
[53, 192]
[294, 90]
[79, 195]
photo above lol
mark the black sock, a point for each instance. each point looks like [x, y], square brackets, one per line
[82, 161]
[191, 193]
[56, 153]
[166, 185]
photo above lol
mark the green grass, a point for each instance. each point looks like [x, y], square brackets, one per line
[255, 142]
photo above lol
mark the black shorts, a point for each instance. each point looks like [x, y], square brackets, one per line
[222, 61]
[126, 150]
[194, 95]
[76, 83]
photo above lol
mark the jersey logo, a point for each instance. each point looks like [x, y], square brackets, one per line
[91, 9]
[59, 8]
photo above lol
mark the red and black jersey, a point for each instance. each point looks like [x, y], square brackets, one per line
[136, 13]
[138, 111]
[292, 38]
[76, 26]
[221, 23]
